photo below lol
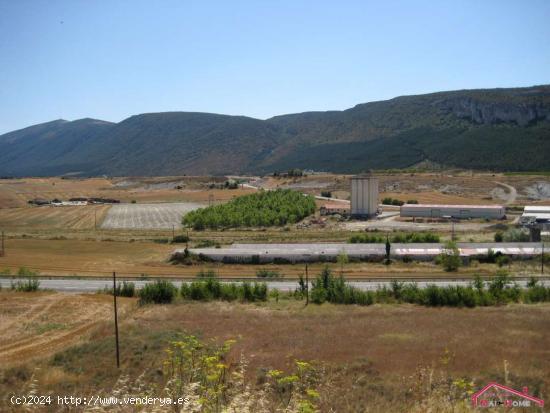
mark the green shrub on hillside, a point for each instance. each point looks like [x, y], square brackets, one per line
[266, 208]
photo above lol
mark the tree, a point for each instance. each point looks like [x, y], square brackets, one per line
[450, 257]
[342, 259]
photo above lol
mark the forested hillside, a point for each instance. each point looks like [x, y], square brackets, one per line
[492, 129]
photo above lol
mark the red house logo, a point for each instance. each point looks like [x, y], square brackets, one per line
[495, 395]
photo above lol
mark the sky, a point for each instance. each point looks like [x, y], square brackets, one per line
[111, 59]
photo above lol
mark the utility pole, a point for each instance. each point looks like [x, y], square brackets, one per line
[2, 250]
[173, 231]
[453, 230]
[95, 218]
[307, 286]
[116, 322]
[542, 259]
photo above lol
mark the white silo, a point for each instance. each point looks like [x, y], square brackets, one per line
[364, 196]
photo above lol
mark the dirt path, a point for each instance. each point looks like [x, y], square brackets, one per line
[512, 192]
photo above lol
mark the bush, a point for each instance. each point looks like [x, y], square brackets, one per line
[158, 292]
[207, 243]
[450, 257]
[31, 284]
[212, 289]
[503, 260]
[126, 289]
[206, 274]
[265, 273]
[326, 194]
[412, 201]
[499, 237]
[180, 239]
[515, 235]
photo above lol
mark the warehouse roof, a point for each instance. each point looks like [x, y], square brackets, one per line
[537, 208]
[451, 206]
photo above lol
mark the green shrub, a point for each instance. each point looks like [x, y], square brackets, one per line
[265, 273]
[30, 284]
[206, 274]
[212, 289]
[515, 235]
[180, 239]
[499, 237]
[207, 243]
[158, 292]
[503, 260]
[124, 289]
[450, 257]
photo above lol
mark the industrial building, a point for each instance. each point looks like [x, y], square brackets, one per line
[315, 252]
[332, 208]
[364, 196]
[453, 211]
[537, 219]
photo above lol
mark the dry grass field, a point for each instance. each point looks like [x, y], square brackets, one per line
[17, 192]
[52, 218]
[40, 324]
[379, 358]
[132, 259]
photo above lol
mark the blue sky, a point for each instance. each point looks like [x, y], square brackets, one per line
[111, 59]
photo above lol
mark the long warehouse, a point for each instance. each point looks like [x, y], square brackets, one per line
[265, 253]
[453, 211]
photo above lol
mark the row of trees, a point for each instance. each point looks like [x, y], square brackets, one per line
[266, 208]
[164, 292]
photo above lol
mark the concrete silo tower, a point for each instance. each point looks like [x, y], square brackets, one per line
[364, 196]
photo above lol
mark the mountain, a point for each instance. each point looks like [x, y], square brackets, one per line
[42, 149]
[488, 129]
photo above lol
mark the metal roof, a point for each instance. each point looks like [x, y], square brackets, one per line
[537, 208]
[311, 251]
[451, 206]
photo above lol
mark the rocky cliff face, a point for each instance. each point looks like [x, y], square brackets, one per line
[480, 112]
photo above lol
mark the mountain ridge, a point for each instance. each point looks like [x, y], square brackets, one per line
[497, 129]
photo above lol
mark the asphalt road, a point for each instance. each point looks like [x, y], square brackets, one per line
[91, 286]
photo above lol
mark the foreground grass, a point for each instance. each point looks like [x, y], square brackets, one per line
[378, 358]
